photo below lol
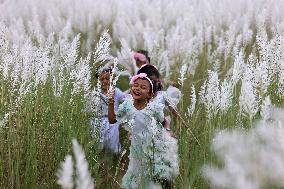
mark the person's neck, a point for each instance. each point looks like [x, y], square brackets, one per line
[140, 104]
[104, 91]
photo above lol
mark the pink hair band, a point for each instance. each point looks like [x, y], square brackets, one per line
[140, 57]
[141, 75]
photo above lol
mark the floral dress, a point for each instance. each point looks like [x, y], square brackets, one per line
[153, 153]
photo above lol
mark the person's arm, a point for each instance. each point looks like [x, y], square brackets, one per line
[173, 111]
[111, 113]
[167, 126]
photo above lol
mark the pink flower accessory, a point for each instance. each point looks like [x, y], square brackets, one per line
[140, 57]
[141, 75]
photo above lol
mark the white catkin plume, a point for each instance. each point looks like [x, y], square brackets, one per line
[265, 108]
[4, 121]
[114, 75]
[125, 58]
[202, 92]
[65, 173]
[97, 92]
[250, 159]
[58, 84]
[226, 95]
[93, 98]
[237, 68]
[248, 100]
[81, 76]
[114, 81]
[262, 76]
[102, 52]
[72, 52]
[164, 64]
[191, 109]
[183, 72]
[212, 94]
[25, 88]
[83, 177]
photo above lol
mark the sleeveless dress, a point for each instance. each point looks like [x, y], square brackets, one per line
[153, 154]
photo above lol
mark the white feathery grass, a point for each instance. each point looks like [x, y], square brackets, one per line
[266, 108]
[4, 121]
[248, 100]
[183, 72]
[81, 76]
[250, 159]
[102, 52]
[83, 177]
[211, 95]
[65, 173]
[114, 75]
[125, 58]
[226, 95]
[191, 108]
[237, 68]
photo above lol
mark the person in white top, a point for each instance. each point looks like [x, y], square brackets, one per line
[108, 133]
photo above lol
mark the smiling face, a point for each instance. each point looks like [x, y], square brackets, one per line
[141, 89]
[104, 78]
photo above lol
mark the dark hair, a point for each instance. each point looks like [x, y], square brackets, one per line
[99, 71]
[151, 70]
[145, 53]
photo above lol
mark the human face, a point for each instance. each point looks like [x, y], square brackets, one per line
[141, 90]
[139, 63]
[104, 78]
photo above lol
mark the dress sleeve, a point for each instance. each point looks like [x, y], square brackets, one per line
[172, 96]
[121, 112]
[157, 110]
[123, 115]
[119, 95]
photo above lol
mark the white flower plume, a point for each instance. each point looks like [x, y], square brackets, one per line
[251, 159]
[65, 174]
[83, 177]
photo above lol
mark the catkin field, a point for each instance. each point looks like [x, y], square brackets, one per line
[226, 57]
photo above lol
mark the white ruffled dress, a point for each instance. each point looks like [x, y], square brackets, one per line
[153, 153]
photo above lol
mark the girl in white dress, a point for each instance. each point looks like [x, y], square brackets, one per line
[108, 133]
[153, 153]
